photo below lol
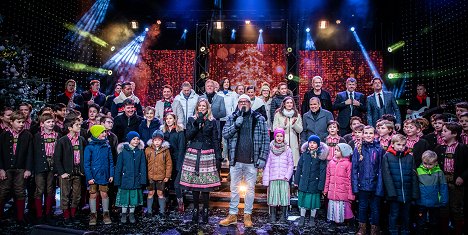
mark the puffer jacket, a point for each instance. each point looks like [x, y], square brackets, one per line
[159, 161]
[311, 171]
[367, 174]
[230, 102]
[130, 171]
[338, 182]
[278, 167]
[188, 105]
[147, 132]
[433, 187]
[98, 161]
[399, 176]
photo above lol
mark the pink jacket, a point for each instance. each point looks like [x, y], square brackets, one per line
[338, 182]
[278, 167]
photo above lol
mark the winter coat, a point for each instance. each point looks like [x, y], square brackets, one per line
[292, 132]
[117, 105]
[40, 162]
[159, 161]
[176, 109]
[261, 140]
[338, 181]
[312, 126]
[399, 176]
[367, 174]
[98, 162]
[23, 157]
[432, 186]
[146, 133]
[311, 171]
[188, 105]
[230, 102]
[276, 101]
[130, 171]
[324, 97]
[177, 147]
[278, 167]
[124, 124]
[217, 106]
[204, 137]
[63, 155]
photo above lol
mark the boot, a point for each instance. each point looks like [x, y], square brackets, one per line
[362, 229]
[301, 221]
[312, 221]
[73, 216]
[38, 205]
[248, 221]
[66, 218]
[162, 207]
[272, 214]
[92, 219]
[106, 218]
[180, 205]
[195, 216]
[229, 220]
[48, 205]
[205, 216]
[375, 230]
[123, 218]
[20, 210]
[131, 218]
[284, 215]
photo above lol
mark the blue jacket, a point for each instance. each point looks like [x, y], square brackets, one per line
[399, 176]
[311, 171]
[130, 171]
[146, 132]
[366, 175]
[98, 163]
[433, 187]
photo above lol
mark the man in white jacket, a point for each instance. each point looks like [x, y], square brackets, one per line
[188, 99]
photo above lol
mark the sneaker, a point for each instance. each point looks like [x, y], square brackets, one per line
[131, 218]
[248, 221]
[92, 219]
[123, 218]
[230, 220]
[106, 218]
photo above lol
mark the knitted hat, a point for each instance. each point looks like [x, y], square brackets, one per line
[278, 130]
[96, 130]
[265, 87]
[158, 134]
[244, 96]
[131, 135]
[345, 149]
[314, 138]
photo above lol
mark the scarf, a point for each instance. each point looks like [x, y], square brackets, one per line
[313, 153]
[94, 93]
[421, 98]
[210, 97]
[116, 94]
[277, 148]
[69, 94]
[289, 114]
[167, 105]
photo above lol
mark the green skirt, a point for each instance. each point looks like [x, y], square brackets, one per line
[129, 198]
[308, 201]
[278, 193]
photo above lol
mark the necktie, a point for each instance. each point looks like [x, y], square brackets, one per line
[351, 96]
[380, 101]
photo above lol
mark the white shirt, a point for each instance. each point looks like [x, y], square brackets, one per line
[376, 95]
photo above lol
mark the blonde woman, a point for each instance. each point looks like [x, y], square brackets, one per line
[199, 173]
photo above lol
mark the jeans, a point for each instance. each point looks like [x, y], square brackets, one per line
[369, 199]
[399, 209]
[248, 172]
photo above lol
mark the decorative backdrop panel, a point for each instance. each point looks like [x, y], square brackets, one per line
[245, 64]
[160, 67]
[335, 67]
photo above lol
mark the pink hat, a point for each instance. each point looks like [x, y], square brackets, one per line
[278, 130]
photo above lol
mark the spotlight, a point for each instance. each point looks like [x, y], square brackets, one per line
[202, 49]
[112, 48]
[308, 30]
[158, 22]
[134, 24]
[218, 25]
[247, 22]
[260, 31]
[290, 76]
[109, 72]
[233, 31]
[289, 50]
[396, 46]
[146, 29]
[185, 30]
[202, 75]
[323, 24]
[338, 21]
[352, 29]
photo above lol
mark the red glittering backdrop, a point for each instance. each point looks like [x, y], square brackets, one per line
[335, 67]
[244, 64]
[171, 67]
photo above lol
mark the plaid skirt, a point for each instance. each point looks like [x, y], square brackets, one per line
[278, 193]
[199, 172]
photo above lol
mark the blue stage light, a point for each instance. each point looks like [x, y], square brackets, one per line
[146, 29]
[352, 29]
[261, 30]
[233, 31]
[308, 30]
[185, 30]
[310, 45]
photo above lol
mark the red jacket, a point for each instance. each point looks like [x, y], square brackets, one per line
[338, 182]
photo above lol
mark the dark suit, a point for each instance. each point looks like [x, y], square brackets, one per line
[374, 112]
[325, 100]
[100, 99]
[344, 111]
